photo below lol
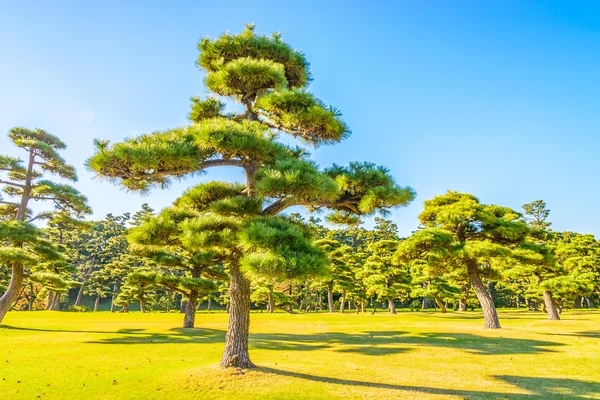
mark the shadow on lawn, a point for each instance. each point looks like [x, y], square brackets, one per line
[539, 388]
[373, 343]
[142, 336]
[392, 342]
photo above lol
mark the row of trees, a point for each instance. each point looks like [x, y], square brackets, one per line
[236, 239]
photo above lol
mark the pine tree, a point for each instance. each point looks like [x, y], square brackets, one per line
[23, 185]
[384, 278]
[268, 79]
[460, 234]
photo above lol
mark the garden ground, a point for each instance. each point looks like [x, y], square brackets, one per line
[419, 355]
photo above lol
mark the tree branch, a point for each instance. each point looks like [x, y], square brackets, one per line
[12, 184]
[220, 162]
[9, 203]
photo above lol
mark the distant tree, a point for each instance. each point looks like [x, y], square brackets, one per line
[23, 184]
[536, 215]
[460, 234]
[384, 278]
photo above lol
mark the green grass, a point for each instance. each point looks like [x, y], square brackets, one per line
[58, 355]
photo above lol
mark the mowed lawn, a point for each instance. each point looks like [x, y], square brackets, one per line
[54, 355]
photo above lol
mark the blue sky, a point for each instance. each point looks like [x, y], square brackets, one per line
[499, 98]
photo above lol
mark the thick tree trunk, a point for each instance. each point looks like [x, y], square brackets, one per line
[183, 305]
[236, 341]
[190, 312]
[392, 305]
[125, 309]
[441, 305]
[424, 303]
[11, 294]
[96, 303]
[56, 302]
[550, 306]
[462, 304]
[330, 297]
[49, 300]
[588, 301]
[343, 302]
[485, 299]
[362, 306]
[79, 295]
[143, 306]
[208, 305]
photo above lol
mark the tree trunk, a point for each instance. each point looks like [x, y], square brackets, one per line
[270, 305]
[11, 294]
[56, 302]
[462, 304]
[362, 306]
[561, 305]
[550, 306]
[236, 341]
[441, 305]
[125, 308]
[79, 295]
[424, 304]
[113, 297]
[330, 297]
[190, 312]
[588, 301]
[17, 274]
[343, 302]
[49, 300]
[30, 299]
[208, 305]
[485, 299]
[96, 303]
[392, 305]
[142, 306]
[183, 305]
[291, 293]
[518, 301]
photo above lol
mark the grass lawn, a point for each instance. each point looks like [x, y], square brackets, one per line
[58, 355]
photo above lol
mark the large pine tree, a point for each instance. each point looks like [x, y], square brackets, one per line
[268, 79]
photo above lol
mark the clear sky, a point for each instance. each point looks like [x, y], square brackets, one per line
[498, 98]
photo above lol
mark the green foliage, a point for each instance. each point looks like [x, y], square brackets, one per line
[302, 115]
[214, 54]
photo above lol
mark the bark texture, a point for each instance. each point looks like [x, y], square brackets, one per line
[12, 293]
[330, 297]
[485, 299]
[551, 306]
[392, 305]
[236, 341]
[190, 312]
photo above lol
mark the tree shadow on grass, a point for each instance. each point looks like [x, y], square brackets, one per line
[393, 342]
[174, 336]
[141, 336]
[539, 388]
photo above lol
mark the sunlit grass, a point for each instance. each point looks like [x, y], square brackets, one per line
[305, 356]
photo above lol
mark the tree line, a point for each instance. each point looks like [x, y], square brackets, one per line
[236, 243]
